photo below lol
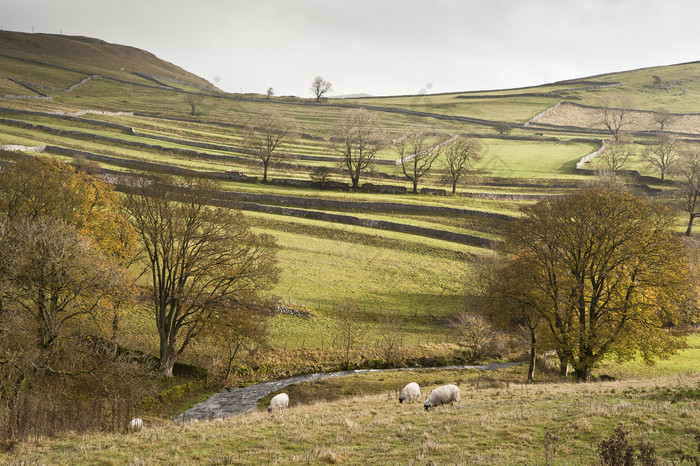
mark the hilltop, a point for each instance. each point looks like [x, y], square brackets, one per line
[34, 57]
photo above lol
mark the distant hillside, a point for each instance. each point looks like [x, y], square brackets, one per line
[93, 56]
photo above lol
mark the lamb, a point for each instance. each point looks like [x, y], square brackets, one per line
[442, 396]
[410, 392]
[136, 424]
[278, 402]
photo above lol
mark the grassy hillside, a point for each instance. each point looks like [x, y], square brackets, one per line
[127, 110]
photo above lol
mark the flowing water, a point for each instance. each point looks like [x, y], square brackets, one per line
[233, 401]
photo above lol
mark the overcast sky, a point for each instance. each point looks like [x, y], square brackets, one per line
[381, 47]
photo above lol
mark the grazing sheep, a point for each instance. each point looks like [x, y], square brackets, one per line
[410, 392]
[278, 402]
[442, 396]
[136, 424]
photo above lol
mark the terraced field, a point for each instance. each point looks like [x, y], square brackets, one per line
[395, 252]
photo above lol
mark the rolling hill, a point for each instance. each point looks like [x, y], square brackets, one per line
[79, 98]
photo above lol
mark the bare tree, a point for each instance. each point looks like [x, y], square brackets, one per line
[270, 92]
[320, 87]
[237, 327]
[360, 137]
[664, 118]
[392, 328]
[615, 116]
[687, 172]
[196, 258]
[476, 334]
[266, 133]
[417, 153]
[614, 159]
[349, 329]
[193, 100]
[662, 155]
[459, 157]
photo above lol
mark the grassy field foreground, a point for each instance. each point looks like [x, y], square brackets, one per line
[499, 423]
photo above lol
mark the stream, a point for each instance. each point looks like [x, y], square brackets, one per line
[233, 401]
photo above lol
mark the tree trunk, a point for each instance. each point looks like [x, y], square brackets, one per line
[583, 374]
[533, 356]
[264, 180]
[690, 225]
[167, 362]
[415, 186]
[564, 366]
[454, 187]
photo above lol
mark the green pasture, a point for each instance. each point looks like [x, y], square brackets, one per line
[324, 266]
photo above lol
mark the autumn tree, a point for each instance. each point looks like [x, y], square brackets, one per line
[64, 244]
[64, 249]
[37, 187]
[57, 276]
[265, 134]
[359, 137]
[417, 153]
[196, 257]
[511, 302]
[606, 272]
[662, 155]
[460, 155]
[320, 87]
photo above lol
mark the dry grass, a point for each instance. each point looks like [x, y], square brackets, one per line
[587, 117]
[495, 426]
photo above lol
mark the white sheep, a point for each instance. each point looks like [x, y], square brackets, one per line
[136, 424]
[278, 402]
[442, 396]
[410, 392]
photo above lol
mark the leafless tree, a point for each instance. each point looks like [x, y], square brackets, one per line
[360, 138]
[196, 258]
[238, 327]
[664, 118]
[476, 334]
[615, 116]
[320, 87]
[392, 328]
[459, 157]
[662, 155]
[270, 92]
[417, 153]
[614, 159]
[266, 132]
[687, 173]
[349, 329]
[193, 100]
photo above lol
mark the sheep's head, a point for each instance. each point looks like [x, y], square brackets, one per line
[269, 409]
[427, 405]
[401, 399]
